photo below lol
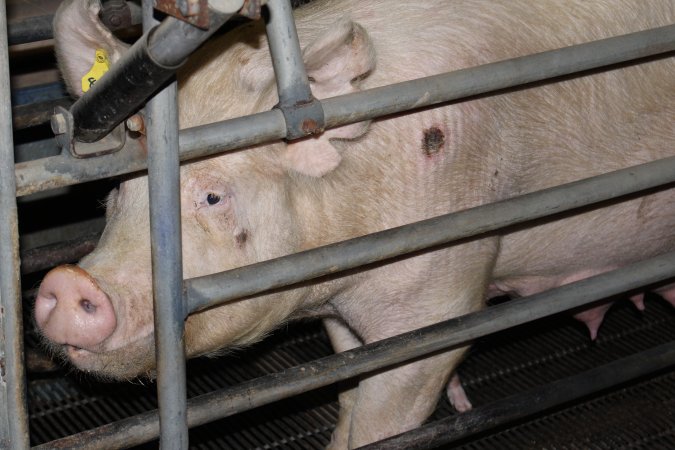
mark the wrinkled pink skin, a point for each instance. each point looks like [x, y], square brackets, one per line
[277, 199]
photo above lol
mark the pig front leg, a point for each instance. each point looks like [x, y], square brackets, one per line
[399, 400]
[422, 291]
[342, 339]
[457, 396]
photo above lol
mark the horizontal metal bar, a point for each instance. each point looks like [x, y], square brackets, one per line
[375, 356]
[39, 28]
[64, 170]
[49, 256]
[30, 115]
[31, 29]
[533, 401]
[211, 290]
[237, 133]
[491, 77]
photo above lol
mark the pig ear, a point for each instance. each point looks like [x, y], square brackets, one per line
[79, 34]
[337, 62]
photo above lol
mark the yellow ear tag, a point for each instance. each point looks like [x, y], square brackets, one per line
[101, 66]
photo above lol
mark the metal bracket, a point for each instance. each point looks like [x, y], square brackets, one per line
[304, 118]
[62, 126]
[252, 9]
[195, 12]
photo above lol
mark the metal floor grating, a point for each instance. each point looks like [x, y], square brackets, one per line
[639, 415]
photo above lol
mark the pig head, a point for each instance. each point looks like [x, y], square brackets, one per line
[276, 199]
[99, 313]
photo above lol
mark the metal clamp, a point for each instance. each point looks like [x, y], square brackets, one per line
[304, 118]
[62, 126]
[303, 113]
[196, 12]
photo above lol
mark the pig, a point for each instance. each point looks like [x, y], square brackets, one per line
[275, 199]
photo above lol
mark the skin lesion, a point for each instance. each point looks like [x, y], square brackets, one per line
[241, 236]
[433, 141]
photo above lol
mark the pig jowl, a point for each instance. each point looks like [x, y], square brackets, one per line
[276, 199]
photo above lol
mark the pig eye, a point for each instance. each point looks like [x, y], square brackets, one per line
[212, 199]
[360, 78]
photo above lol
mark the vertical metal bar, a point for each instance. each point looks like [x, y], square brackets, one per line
[292, 82]
[14, 416]
[167, 267]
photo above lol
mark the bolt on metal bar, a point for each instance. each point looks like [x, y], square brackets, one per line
[148, 64]
[212, 290]
[381, 354]
[209, 140]
[14, 416]
[167, 266]
[532, 401]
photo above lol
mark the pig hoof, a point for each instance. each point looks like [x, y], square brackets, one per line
[457, 395]
[639, 301]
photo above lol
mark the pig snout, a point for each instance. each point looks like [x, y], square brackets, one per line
[71, 309]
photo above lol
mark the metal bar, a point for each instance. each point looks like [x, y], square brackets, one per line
[533, 401]
[211, 290]
[167, 266]
[52, 255]
[250, 130]
[30, 115]
[302, 112]
[32, 29]
[146, 66]
[14, 416]
[64, 170]
[375, 356]
[39, 28]
[289, 68]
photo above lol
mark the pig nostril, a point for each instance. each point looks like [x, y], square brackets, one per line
[88, 306]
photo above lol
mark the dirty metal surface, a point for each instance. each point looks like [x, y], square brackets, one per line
[637, 415]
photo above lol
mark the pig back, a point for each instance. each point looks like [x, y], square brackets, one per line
[473, 152]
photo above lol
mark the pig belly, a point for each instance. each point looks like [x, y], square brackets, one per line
[589, 242]
[571, 249]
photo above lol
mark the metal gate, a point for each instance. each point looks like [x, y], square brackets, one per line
[175, 298]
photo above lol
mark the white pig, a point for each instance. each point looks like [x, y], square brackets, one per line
[276, 199]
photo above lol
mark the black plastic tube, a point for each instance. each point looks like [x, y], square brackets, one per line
[141, 71]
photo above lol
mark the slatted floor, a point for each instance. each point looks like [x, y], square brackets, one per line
[639, 415]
